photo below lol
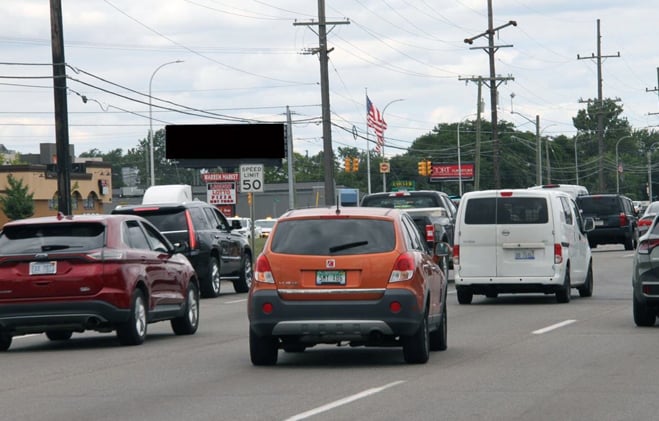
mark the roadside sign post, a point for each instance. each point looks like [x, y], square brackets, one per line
[251, 181]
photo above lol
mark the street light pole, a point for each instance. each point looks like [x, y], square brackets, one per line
[384, 174]
[650, 170]
[151, 158]
[618, 163]
[538, 139]
[459, 156]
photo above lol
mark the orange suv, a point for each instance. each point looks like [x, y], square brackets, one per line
[355, 275]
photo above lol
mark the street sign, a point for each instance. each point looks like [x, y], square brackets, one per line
[384, 167]
[251, 178]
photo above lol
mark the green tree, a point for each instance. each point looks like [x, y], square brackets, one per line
[17, 203]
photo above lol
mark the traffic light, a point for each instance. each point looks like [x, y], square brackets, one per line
[428, 168]
[347, 163]
[355, 164]
[249, 198]
[423, 168]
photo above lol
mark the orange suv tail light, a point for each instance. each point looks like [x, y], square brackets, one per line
[403, 268]
[262, 271]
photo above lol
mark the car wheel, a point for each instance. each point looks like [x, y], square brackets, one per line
[263, 349]
[59, 335]
[644, 316]
[416, 347]
[210, 286]
[465, 295]
[564, 293]
[629, 243]
[492, 294]
[188, 322]
[244, 280]
[5, 341]
[439, 337]
[133, 332]
[586, 290]
[592, 244]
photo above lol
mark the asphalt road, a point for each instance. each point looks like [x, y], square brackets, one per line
[517, 357]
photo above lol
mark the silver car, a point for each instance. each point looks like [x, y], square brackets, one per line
[645, 278]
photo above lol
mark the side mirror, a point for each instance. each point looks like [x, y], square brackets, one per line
[180, 247]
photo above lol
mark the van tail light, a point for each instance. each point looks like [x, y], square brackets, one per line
[262, 271]
[558, 254]
[192, 235]
[456, 254]
[623, 219]
[430, 233]
[646, 247]
[403, 268]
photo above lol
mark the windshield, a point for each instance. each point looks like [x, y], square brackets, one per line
[265, 223]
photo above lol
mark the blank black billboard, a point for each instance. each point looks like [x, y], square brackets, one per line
[242, 142]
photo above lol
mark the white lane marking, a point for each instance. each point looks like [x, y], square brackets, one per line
[236, 301]
[552, 327]
[343, 401]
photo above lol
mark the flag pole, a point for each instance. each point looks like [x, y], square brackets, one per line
[368, 152]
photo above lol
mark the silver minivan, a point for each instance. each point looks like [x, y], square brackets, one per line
[521, 241]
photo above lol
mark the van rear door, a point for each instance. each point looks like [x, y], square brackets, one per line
[477, 237]
[525, 235]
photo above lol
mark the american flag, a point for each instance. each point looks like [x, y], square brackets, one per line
[375, 121]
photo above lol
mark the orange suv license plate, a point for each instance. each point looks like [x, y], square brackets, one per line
[333, 277]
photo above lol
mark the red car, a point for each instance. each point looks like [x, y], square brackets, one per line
[66, 274]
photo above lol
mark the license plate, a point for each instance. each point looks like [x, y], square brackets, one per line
[336, 277]
[43, 268]
[599, 223]
[524, 254]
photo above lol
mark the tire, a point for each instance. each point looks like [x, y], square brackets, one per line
[188, 323]
[210, 284]
[592, 244]
[416, 347]
[644, 316]
[492, 294]
[439, 337]
[586, 290]
[244, 281]
[564, 293]
[133, 332]
[263, 349]
[629, 243]
[59, 335]
[465, 295]
[5, 341]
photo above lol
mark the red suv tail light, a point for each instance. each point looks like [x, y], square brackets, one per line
[192, 235]
[623, 219]
[430, 233]
[403, 268]
[558, 254]
[262, 271]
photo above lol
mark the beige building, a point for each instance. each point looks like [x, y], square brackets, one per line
[91, 186]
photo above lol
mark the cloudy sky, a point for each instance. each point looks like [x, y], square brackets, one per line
[247, 61]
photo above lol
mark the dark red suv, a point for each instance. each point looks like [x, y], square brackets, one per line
[66, 274]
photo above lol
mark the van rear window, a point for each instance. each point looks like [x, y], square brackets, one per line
[506, 210]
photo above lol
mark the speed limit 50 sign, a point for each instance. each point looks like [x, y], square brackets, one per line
[251, 178]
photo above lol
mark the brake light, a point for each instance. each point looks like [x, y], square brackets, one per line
[106, 254]
[623, 219]
[506, 194]
[262, 271]
[645, 247]
[192, 235]
[644, 222]
[403, 268]
[456, 254]
[430, 233]
[558, 254]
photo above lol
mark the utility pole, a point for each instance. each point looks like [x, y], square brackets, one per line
[654, 90]
[600, 104]
[479, 110]
[493, 82]
[61, 109]
[289, 159]
[328, 151]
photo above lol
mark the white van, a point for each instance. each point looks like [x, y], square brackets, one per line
[167, 193]
[575, 190]
[521, 240]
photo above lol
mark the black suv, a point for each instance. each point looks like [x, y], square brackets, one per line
[418, 199]
[216, 252]
[616, 221]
